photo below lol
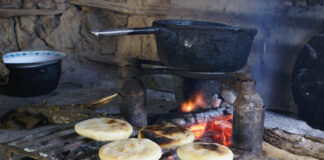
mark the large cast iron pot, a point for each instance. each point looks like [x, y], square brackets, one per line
[32, 73]
[196, 45]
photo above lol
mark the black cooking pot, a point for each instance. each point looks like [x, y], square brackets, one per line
[196, 45]
[33, 73]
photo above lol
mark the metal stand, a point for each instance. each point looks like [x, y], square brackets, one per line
[248, 119]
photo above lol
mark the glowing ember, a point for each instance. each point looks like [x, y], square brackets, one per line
[198, 129]
[222, 129]
[219, 129]
[193, 103]
[170, 158]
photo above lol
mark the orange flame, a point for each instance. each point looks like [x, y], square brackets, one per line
[188, 106]
[193, 103]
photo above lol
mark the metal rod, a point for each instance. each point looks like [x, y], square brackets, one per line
[198, 75]
[125, 31]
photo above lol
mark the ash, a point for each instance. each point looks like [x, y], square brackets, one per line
[292, 125]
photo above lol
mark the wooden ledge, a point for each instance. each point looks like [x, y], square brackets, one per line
[28, 12]
[122, 7]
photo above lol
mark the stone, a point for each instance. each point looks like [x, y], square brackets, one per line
[45, 4]
[27, 24]
[62, 6]
[149, 50]
[7, 35]
[226, 105]
[46, 25]
[5, 2]
[66, 35]
[104, 49]
[158, 3]
[132, 3]
[28, 4]
[142, 46]
[98, 19]
[129, 46]
[38, 44]
[23, 38]
[288, 2]
[301, 3]
[59, 1]
[10, 4]
[28, 40]
[228, 95]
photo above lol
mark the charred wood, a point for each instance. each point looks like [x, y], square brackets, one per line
[182, 118]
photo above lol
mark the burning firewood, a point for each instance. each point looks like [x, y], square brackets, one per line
[277, 143]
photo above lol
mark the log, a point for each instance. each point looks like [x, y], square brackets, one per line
[269, 150]
[296, 144]
[28, 12]
[181, 118]
[122, 7]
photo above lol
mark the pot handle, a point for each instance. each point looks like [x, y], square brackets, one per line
[125, 31]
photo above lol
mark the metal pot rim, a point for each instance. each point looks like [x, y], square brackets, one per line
[182, 24]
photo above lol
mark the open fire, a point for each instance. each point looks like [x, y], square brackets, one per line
[218, 129]
[196, 101]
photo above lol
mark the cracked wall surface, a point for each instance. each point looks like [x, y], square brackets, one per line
[69, 31]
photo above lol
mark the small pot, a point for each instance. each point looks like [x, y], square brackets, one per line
[196, 45]
[33, 73]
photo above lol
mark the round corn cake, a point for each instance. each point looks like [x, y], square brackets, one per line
[204, 151]
[167, 135]
[130, 149]
[104, 129]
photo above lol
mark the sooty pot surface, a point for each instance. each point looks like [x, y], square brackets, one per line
[196, 45]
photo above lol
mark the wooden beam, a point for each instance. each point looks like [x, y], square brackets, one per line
[28, 12]
[122, 7]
